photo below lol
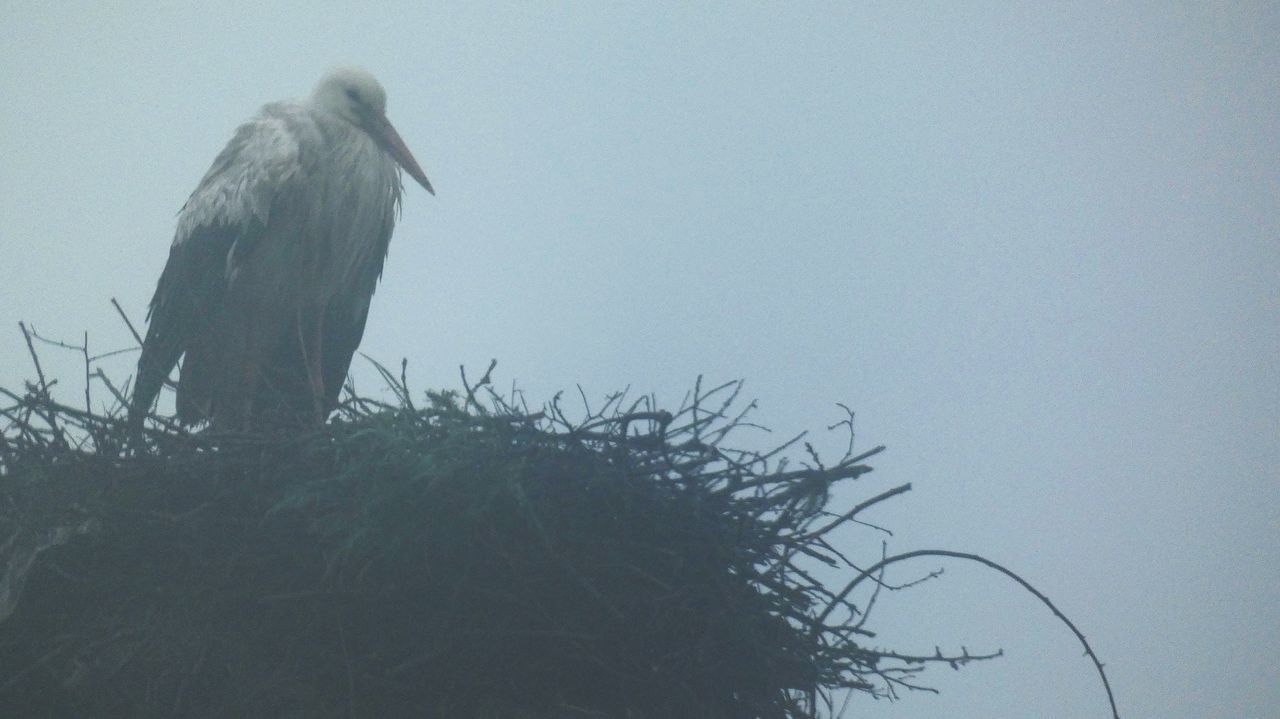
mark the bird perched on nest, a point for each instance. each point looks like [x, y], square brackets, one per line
[275, 259]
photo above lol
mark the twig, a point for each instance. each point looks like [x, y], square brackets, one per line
[88, 405]
[119, 395]
[846, 421]
[807, 536]
[471, 389]
[127, 323]
[1008, 573]
[404, 382]
[35, 359]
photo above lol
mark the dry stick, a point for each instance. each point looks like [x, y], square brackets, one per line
[113, 353]
[702, 416]
[697, 400]
[119, 395]
[388, 378]
[586, 405]
[846, 421]
[850, 514]
[844, 470]
[51, 419]
[661, 417]
[1115, 713]
[35, 335]
[404, 382]
[88, 406]
[46, 409]
[44, 386]
[83, 349]
[880, 584]
[471, 389]
[127, 323]
[738, 422]
[964, 658]
[875, 593]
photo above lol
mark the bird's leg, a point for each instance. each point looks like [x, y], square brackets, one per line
[309, 329]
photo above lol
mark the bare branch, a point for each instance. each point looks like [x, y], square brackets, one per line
[1008, 573]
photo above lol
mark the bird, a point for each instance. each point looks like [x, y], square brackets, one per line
[275, 260]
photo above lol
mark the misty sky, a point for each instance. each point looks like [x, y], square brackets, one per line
[1037, 250]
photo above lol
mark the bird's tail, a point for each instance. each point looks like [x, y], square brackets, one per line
[159, 355]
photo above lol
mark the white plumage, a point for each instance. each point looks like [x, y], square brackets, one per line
[275, 259]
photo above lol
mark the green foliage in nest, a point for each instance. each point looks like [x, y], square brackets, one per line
[465, 558]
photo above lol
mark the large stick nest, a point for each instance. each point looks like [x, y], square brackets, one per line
[466, 558]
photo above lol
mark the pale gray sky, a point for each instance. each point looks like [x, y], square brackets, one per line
[1038, 251]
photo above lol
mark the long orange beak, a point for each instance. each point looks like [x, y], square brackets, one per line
[382, 131]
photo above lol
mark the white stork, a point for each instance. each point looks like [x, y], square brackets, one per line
[275, 260]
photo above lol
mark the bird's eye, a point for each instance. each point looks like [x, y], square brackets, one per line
[351, 93]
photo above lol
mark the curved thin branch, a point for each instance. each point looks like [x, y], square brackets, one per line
[868, 572]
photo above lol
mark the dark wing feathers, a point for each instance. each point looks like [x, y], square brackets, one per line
[343, 330]
[184, 309]
[226, 213]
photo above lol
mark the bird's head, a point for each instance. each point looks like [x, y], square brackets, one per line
[351, 93]
[355, 96]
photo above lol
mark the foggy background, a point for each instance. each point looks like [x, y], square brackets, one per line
[1036, 249]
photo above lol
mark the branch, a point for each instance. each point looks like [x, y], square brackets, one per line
[1088, 650]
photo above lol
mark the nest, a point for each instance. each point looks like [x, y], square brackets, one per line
[463, 558]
